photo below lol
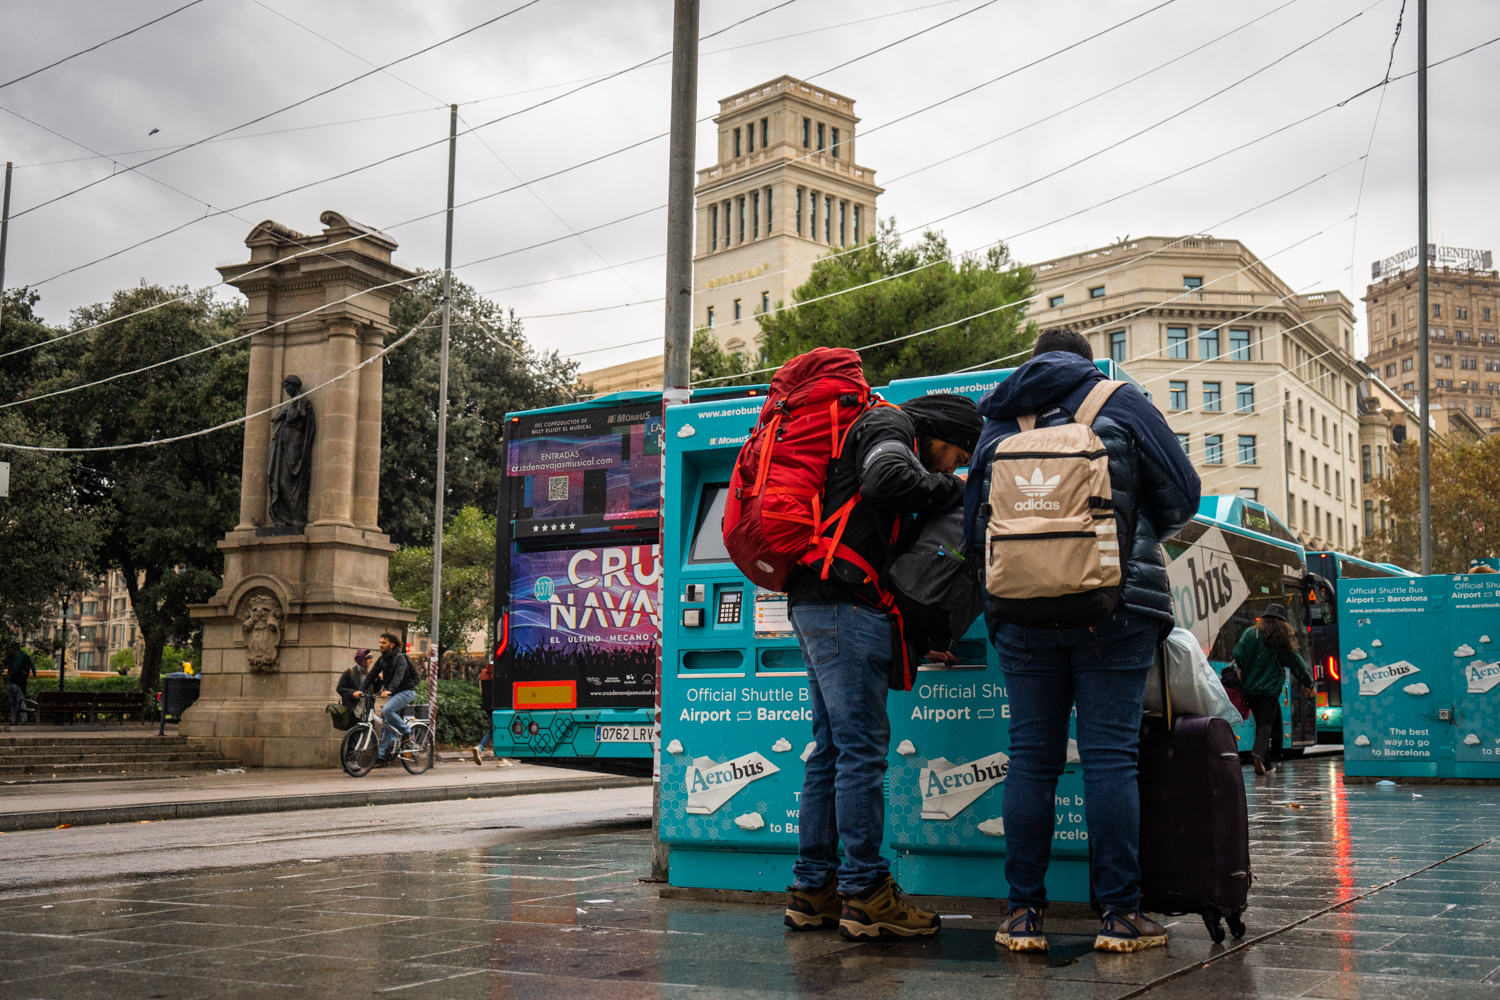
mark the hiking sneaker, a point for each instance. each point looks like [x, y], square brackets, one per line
[882, 910]
[478, 760]
[1022, 930]
[810, 909]
[1129, 932]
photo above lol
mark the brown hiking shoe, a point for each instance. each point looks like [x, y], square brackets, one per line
[881, 911]
[1129, 932]
[810, 909]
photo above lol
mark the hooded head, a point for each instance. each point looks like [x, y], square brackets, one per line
[947, 429]
[362, 659]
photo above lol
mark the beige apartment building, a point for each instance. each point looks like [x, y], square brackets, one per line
[1257, 380]
[785, 190]
[1464, 354]
[100, 623]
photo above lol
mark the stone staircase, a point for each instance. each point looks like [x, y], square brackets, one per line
[102, 754]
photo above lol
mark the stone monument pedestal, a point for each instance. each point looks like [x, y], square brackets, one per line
[299, 599]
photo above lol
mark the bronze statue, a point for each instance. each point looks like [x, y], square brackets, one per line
[290, 467]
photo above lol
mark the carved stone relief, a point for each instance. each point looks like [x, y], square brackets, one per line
[262, 625]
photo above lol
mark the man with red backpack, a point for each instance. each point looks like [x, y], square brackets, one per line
[1076, 480]
[885, 464]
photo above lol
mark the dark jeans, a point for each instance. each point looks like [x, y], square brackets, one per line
[395, 725]
[1102, 670]
[1266, 708]
[848, 652]
[17, 704]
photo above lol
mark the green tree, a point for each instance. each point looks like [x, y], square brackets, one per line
[710, 361]
[927, 288]
[163, 508]
[492, 370]
[468, 578]
[1465, 487]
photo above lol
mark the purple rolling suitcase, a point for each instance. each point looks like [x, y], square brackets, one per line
[1195, 831]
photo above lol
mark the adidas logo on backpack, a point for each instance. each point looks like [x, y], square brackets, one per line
[1052, 553]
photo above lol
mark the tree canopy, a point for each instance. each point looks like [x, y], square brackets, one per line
[927, 288]
[468, 578]
[1465, 483]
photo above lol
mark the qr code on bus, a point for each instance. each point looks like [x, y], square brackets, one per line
[557, 488]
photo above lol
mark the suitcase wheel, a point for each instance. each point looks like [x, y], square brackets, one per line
[1212, 919]
[1236, 925]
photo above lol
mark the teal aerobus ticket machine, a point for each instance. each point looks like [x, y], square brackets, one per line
[737, 721]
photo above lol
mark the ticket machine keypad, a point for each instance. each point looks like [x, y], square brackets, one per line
[729, 607]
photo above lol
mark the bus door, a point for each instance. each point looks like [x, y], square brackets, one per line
[1323, 648]
[1301, 708]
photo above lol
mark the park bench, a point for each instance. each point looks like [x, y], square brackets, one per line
[64, 706]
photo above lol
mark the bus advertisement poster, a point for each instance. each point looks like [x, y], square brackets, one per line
[590, 614]
[589, 463]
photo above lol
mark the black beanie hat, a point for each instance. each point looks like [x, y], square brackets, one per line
[954, 419]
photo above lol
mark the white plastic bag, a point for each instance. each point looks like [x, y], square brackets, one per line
[1195, 686]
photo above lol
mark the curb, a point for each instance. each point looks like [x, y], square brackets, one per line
[150, 811]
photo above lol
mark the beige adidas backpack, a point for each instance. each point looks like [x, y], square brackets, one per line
[1051, 528]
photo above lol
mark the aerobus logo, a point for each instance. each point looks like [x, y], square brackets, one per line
[710, 785]
[1207, 587]
[1482, 676]
[948, 788]
[1374, 679]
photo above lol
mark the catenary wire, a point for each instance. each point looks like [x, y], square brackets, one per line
[100, 45]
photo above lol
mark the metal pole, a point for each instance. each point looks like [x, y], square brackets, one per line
[442, 441]
[62, 647]
[1423, 310]
[676, 367]
[4, 231]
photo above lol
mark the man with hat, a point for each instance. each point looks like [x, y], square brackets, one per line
[899, 462]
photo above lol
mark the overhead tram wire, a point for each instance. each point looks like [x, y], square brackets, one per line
[238, 420]
[100, 45]
[287, 107]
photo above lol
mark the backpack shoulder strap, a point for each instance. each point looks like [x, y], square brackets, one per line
[1094, 401]
[1026, 421]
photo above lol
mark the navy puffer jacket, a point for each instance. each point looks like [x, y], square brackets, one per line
[1155, 487]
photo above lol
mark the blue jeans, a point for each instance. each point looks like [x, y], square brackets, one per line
[17, 704]
[847, 648]
[1102, 670]
[395, 725]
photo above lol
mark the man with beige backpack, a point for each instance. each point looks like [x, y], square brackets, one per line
[1074, 482]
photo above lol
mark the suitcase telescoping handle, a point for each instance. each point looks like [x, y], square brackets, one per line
[1166, 689]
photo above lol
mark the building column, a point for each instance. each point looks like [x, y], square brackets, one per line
[254, 489]
[334, 444]
[367, 435]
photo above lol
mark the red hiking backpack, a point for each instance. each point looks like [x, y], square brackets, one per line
[774, 516]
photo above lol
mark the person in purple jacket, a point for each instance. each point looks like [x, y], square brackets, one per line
[1098, 667]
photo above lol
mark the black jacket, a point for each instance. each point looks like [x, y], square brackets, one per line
[879, 462]
[392, 672]
[1155, 486]
[350, 685]
[21, 669]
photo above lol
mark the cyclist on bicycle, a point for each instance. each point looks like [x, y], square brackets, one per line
[393, 672]
[353, 679]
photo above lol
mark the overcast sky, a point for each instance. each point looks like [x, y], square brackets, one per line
[222, 63]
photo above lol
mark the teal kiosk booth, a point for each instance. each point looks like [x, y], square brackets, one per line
[737, 723]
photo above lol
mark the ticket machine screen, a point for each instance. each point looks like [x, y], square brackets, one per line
[708, 533]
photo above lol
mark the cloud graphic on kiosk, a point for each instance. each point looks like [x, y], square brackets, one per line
[807, 751]
[1418, 688]
[1357, 654]
[993, 827]
[1484, 638]
[1464, 650]
[1361, 741]
[1376, 642]
[750, 821]
[782, 745]
[1471, 740]
[906, 748]
[674, 747]
[686, 431]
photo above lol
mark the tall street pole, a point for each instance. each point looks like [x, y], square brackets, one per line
[1423, 310]
[4, 231]
[677, 371]
[442, 441]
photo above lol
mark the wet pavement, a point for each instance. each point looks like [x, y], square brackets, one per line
[1360, 892]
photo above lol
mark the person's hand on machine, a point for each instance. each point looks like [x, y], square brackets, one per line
[941, 656]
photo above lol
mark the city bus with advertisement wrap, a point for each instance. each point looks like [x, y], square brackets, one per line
[1325, 570]
[577, 581]
[1232, 560]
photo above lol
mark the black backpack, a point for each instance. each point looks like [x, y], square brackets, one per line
[936, 588]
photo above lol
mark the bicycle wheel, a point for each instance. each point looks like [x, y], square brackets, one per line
[358, 751]
[418, 757]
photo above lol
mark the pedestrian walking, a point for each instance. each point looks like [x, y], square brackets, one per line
[487, 705]
[18, 672]
[1265, 653]
[896, 463]
[393, 672]
[1085, 603]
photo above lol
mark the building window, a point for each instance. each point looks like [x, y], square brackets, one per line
[1341, 531]
[827, 218]
[1096, 293]
[713, 227]
[1208, 343]
[1176, 395]
[738, 311]
[856, 225]
[1239, 345]
[1247, 449]
[1302, 462]
[1192, 282]
[86, 633]
[1211, 395]
[1054, 301]
[1364, 462]
[1244, 397]
[1299, 414]
[755, 215]
[767, 194]
[1177, 342]
[1338, 487]
[1325, 430]
[820, 137]
[1317, 520]
[1291, 510]
[765, 302]
[710, 317]
[1486, 314]
[765, 132]
[1369, 517]
[1117, 346]
[742, 219]
[89, 608]
[750, 138]
[1437, 310]
[88, 660]
[736, 143]
[800, 192]
[806, 133]
[1185, 440]
[843, 222]
[1409, 387]
[1305, 520]
[834, 135]
[1213, 449]
[1315, 471]
[1390, 371]
[1250, 493]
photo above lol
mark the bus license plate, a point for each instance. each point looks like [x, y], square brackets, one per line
[623, 734]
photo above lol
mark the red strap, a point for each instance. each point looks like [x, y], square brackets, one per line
[765, 455]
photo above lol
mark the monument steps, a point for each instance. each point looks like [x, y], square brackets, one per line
[104, 754]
